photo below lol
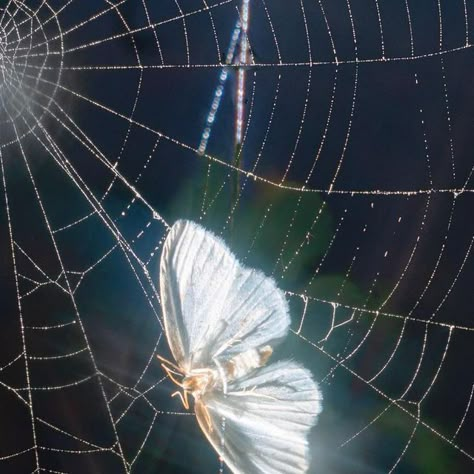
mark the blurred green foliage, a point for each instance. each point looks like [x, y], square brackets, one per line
[283, 232]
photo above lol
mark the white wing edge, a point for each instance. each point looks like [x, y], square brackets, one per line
[171, 306]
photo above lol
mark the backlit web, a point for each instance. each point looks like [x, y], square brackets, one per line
[329, 142]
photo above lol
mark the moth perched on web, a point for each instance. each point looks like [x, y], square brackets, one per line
[221, 319]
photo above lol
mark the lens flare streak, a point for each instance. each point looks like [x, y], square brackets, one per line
[219, 91]
[243, 60]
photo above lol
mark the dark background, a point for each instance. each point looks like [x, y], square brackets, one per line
[368, 104]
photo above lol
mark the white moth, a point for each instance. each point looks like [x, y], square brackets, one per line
[221, 319]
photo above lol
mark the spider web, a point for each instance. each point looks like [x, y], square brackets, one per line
[335, 156]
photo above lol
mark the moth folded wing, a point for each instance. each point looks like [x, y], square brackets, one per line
[262, 424]
[212, 304]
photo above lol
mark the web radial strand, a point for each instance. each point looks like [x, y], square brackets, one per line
[355, 194]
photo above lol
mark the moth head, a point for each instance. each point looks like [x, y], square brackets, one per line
[198, 381]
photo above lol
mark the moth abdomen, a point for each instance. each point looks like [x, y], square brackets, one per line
[247, 361]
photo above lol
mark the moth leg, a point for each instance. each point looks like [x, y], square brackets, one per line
[184, 399]
[169, 363]
[207, 417]
[170, 372]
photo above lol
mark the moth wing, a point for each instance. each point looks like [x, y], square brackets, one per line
[212, 304]
[262, 424]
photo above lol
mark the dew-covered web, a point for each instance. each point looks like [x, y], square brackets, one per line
[329, 142]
